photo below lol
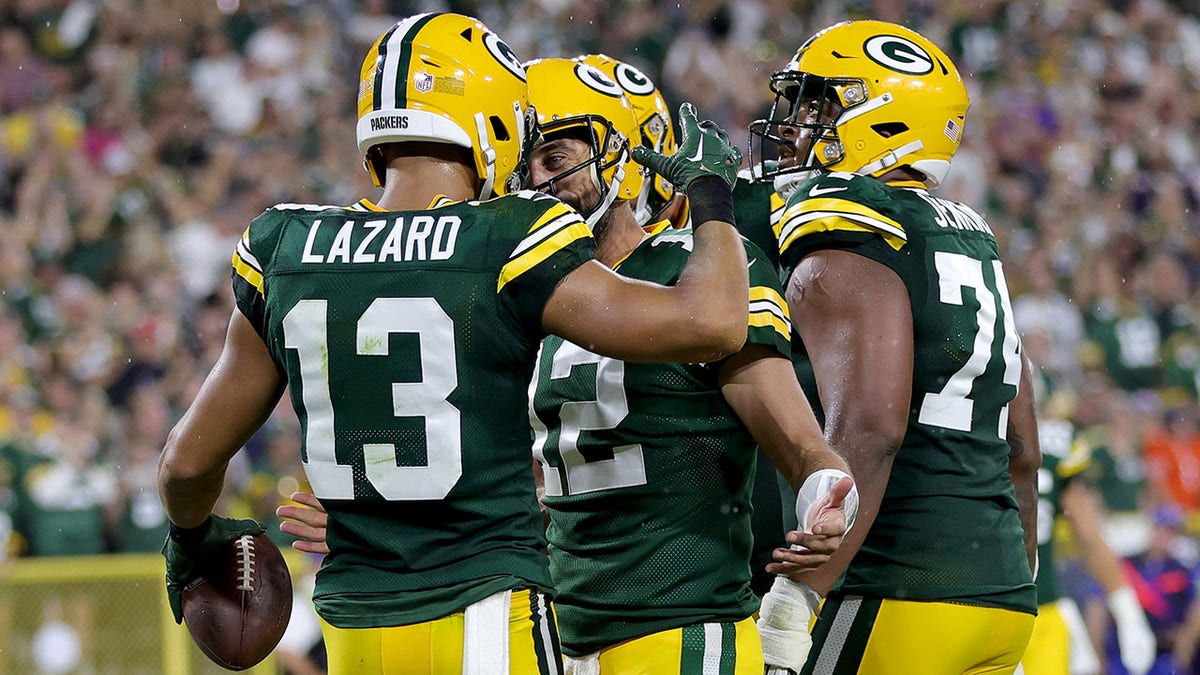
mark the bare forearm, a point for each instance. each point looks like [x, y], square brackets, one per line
[715, 282]
[188, 500]
[1080, 507]
[1024, 458]
[1026, 492]
[234, 401]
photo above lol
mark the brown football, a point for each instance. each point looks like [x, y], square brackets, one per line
[239, 609]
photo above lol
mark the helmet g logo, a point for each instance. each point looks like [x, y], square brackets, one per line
[504, 54]
[597, 80]
[896, 53]
[633, 80]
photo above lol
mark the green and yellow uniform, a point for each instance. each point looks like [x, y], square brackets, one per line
[1065, 455]
[949, 502]
[757, 208]
[408, 340]
[648, 477]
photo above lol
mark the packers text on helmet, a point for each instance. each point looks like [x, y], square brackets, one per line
[447, 78]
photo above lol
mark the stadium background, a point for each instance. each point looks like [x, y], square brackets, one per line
[139, 137]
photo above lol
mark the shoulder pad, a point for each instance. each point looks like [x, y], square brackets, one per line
[840, 201]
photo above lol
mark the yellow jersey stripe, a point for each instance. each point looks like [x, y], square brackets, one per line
[523, 262]
[758, 293]
[777, 204]
[797, 219]
[545, 228]
[243, 252]
[767, 319]
[828, 222]
[654, 228]
[245, 271]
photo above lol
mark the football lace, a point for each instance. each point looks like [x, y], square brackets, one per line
[245, 563]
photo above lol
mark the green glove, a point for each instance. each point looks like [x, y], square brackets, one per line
[704, 150]
[188, 552]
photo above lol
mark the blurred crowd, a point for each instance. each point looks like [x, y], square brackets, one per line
[138, 138]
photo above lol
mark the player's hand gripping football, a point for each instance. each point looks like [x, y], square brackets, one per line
[189, 551]
[704, 150]
[307, 521]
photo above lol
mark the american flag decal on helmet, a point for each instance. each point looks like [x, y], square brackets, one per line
[953, 130]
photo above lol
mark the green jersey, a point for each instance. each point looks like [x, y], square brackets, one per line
[1120, 477]
[948, 529]
[408, 340]
[757, 208]
[1064, 455]
[1129, 341]
[648, 474]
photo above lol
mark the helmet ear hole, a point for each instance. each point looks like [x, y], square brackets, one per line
[889, 129]
[499, 129]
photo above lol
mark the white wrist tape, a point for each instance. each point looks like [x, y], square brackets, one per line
[787, 609]
[1123, 605]
[817, 485]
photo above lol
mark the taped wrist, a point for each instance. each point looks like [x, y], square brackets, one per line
[1123, 605]
[710, 198]
[817, 485]
[190, 536]
[783, 621]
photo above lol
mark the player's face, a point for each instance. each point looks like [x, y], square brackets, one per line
[809, 111]
[554, 158]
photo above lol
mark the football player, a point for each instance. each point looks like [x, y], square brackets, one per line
[1060, 643]
[902, 317]
[648, 467]
[406, 330]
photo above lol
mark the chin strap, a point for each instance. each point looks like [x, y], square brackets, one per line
[890, 159]
[610, 195]
[489, 155]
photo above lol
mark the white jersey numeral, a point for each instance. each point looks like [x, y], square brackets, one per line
[305, 330]
[952, 407]
[626, 468]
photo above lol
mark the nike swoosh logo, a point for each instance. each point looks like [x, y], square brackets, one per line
[817, 190]
[751, 263]
[699, 153]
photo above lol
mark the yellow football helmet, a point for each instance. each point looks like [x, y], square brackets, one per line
[447, 78]
[654, 121]
[570, 95]
[896, 100]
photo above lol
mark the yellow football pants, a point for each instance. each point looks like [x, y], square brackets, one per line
[873, 636]
[731, 648]
[509, 633]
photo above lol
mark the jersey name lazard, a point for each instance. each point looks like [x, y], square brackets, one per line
[423, 237]
[408, 341]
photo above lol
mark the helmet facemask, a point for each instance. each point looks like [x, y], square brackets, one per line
[658, 192]
[902, 105]
[609, 150]
[803, 124]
